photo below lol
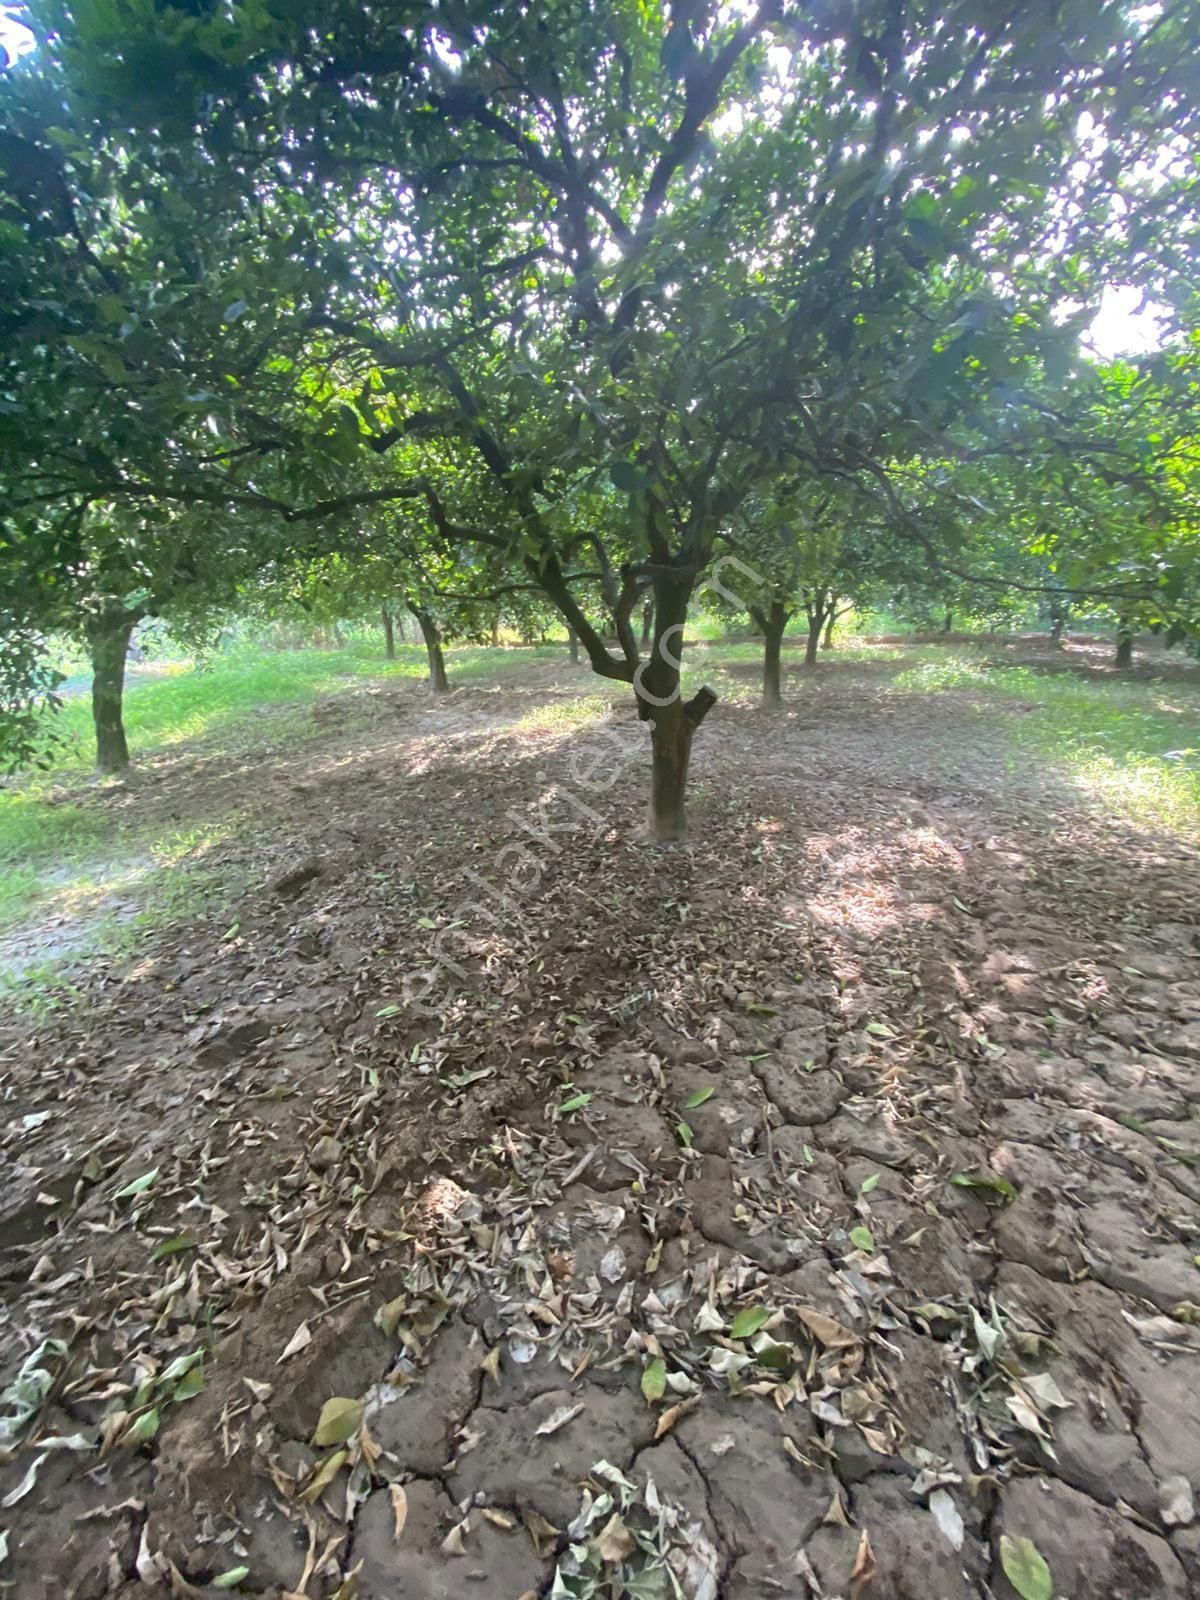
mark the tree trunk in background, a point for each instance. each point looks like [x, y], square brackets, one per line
[1125, 647]
[398, 624]
[438, 681]
[948, 626]
[647, 623]
[108, 639]
[812, 644]
[496, 631]
[772, 622]
[827, 639]
[389, 634]
[573, 645]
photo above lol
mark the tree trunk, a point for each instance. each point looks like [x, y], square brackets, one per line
[816, 621]
[827, 640]
[772, 622]
[389, 634]
[496, 631]
[573, 645]
[671, 745]
[948, 626]
[108, 638]
[438, 681]
[647, 623]
[398, 624]
[1125, 647]
[673, 721]
[1058, 627]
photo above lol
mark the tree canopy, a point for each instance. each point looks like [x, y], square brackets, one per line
[567, 291]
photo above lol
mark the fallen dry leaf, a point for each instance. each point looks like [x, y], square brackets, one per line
[399, 1508]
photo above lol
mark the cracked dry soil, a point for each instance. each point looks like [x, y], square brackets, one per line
[809, 1211]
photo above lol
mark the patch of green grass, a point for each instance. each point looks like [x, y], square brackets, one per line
[1133, 747]
[116, 878]
[564, 716]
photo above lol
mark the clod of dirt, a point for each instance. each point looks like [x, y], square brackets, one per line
[769, 1486]
[417, 1425]
[803, 1095]
[516, 1465]
[420, 1565]
[287, 884]
[1093, 1553]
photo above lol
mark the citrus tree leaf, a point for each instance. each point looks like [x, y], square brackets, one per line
[1025, 1568]
[138, 1186]
[990, 1181]
[339, 1421]
[324, 1476]
[143, 1428]
[654, 1380]
[748, 1321]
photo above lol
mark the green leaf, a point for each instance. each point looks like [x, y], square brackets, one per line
[985, 1180]
[189, 1385]
[748, 1321]
[231, 1579]
[174, 1370]
[388, 1011]
[880, 1030]
[698, 1097]
[338, 1422]
[172, 1247]
[869, 1183]
[654, 1380]
[324, 1476]
[138, 1186]
[862, 1239]
[1025, 1568]
[626, 476]
[575, 1103]
[684, 1134]
[931, 1311]
[142, 1428]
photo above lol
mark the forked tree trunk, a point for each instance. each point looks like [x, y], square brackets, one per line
[1125, 647]
[389, 634]
[773, 621]
[108, 639]
[573, 645]
[438, 681]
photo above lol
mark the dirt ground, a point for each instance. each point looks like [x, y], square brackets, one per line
[499, 1205]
